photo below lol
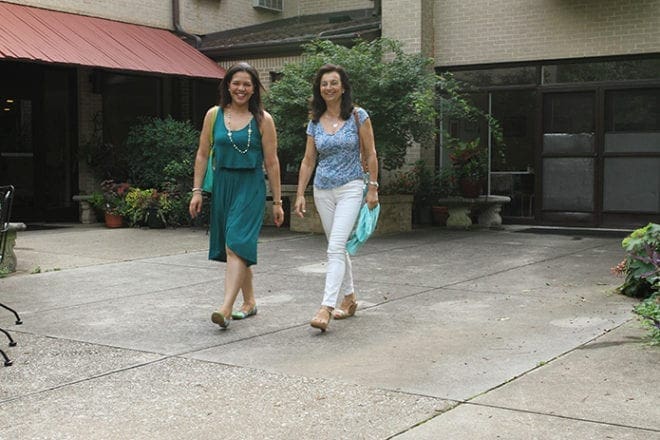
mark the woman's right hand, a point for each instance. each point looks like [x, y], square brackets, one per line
[299, 206]
[195, 206]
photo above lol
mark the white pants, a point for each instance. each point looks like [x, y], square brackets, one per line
[338, 209]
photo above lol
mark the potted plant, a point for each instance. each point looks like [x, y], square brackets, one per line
[111, 200]
[148, 207]
[443, 186]
[470, 166]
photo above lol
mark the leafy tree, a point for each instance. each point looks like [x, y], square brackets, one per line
[397, 89]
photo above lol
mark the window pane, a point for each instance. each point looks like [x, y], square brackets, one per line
[516, 112]
[568, 184]
[565, 143]
[632, 121]
[497, 77]
[601, 71]
[632, 184]
[633, 110]
[568, 123]
[632, 142]
[569, 113]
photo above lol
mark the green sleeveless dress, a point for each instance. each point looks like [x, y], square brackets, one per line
[239, 192]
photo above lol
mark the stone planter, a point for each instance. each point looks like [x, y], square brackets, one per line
[395, 215]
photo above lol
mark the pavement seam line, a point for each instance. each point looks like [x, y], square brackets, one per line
[524, 373]
[560, 416]
[82, 380]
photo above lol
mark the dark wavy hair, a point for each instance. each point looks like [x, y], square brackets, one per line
[318, 104]
[254, 104]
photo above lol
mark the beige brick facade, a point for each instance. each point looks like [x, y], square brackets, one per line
[263, 65]
[154, 13]
[411, 23]
[454, 32]
[308, 7]
[480, 31]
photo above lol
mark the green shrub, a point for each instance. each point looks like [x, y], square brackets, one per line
[161, 150]
[649, 311]
[641, 266]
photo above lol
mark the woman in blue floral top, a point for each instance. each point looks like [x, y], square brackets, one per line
[333, 137]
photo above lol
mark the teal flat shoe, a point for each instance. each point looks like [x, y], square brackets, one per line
[239, 314]
[219, 318]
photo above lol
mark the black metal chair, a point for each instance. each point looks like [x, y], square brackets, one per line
[6, 198]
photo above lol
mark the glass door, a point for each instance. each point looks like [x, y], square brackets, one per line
[512, 168]
[37, 140]
[569, 158]
[17, 148]
[631, 157]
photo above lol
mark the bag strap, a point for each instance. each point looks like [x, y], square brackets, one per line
[214, 112]
[365, 169]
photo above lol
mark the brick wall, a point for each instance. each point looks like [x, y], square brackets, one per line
[263, 66]
[213, 16]
[481, 31]
[402, 21]
[196, 16]
[308, 7]
[155, 13]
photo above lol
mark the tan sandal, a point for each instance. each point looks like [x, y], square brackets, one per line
[321, 319]
[347, 307]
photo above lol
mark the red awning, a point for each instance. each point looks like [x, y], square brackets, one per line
[34, 34]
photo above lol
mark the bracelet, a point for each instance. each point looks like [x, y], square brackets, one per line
[197, 189]
[373, 183]
[277, 202]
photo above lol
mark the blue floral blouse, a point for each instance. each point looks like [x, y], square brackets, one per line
[338, 153]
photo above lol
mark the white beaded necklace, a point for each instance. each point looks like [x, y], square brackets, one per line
[230, 136]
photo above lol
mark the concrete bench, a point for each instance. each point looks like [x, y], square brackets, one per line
[487, 208]
[8, 262]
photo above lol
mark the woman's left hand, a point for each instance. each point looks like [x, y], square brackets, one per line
[278, 215]
[372, 197]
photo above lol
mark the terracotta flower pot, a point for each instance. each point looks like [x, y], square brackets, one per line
[113, 220]
[440, 215]
[470, 188]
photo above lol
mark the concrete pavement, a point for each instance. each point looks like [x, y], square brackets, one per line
[484, 334]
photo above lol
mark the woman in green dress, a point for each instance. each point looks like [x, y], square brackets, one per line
[245, 141]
